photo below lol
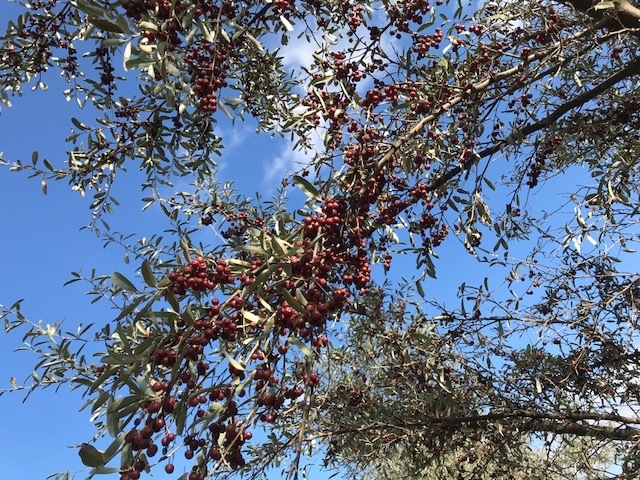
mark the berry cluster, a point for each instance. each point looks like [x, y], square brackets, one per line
[410, 11]
[186, 352]
[200, 276]
[207, 62]
[537, 166]
[422, 44]
[136, 8]
[128, 111]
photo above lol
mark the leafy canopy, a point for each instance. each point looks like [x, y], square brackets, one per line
[425, 124]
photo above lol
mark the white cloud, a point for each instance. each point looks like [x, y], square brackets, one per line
[299, 52]
[289, 161]
[274, 171]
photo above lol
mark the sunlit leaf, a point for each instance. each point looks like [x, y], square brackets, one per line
[91, 456]
[307, 187]
[121, 282]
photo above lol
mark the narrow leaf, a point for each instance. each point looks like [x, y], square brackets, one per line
[121, 281]
[105, 25]
[296, 342]
[307, 187]
[237, 365]
[147, 274]
[91, 456]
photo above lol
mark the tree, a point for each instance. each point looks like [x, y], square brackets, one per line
[436, 120]
[411, 406]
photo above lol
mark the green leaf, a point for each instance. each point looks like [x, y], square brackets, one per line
[307, 187]
[106, 25]
[104, 470]
[296, 342]
[173, 301]
[146, 345]
[407, 164]
[78, 124]
[140, 62]
[489, 183]
[224, 110]
[261, 279]
[91, 456]
[102, 378]
[300, 297]
[113, 449]
[254, 249]
[252, 317]
[102, 398]
[604, 5]
[292, 301]
[280, 246]
[113, 423]
[144, 25]
[90, 9]
[253, 40]
[126, 458]
[126, 56]
[121, 282]
[180, 417]
[147, 274]
[285, 22]
[237, 365]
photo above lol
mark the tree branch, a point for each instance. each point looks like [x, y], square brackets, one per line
[562, 423]
[631, 69]
[624, 13]
[582, 430]
[478, 87]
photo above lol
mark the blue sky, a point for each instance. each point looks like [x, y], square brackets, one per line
[44, 242]
[43, 237]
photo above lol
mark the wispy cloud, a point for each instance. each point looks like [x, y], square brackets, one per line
[278, 168]
[298, 53]
[288, 161]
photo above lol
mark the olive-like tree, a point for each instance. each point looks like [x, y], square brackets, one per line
[423, 121]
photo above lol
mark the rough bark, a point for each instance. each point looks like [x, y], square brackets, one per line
[616, 427]
[624, 14]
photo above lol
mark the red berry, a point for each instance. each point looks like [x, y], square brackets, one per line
[152, 450]
[158, 424]
[154, 407]
[157, 387]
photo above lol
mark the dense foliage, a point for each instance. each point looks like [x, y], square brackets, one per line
[425, 123]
